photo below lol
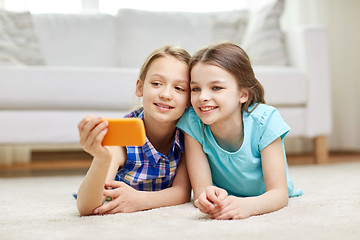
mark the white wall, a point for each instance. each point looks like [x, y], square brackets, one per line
[342, 19]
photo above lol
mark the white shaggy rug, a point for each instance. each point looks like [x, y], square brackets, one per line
[43, 208]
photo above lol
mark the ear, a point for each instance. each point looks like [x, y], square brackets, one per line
[244, 96]
[139, 88]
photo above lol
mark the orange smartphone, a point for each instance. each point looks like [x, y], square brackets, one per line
[124, 132]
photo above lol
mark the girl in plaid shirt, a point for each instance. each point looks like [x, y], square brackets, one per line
[153, 175]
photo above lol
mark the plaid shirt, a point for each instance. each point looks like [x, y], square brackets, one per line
[146, 169]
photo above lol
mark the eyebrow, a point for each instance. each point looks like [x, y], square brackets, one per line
[156, 75]
[212, 82]
[178, 80]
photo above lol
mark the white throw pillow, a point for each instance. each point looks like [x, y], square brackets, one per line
[8, 50]
[18, 42]
[264, 39]
[229, 25]
[140, 32]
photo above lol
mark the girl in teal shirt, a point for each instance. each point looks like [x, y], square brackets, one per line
[234, 141]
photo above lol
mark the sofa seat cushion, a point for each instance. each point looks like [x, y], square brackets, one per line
[114, 88]
[284, 86]
[70, 88]
[45, 126]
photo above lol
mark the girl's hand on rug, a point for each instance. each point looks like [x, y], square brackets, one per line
[233, 208]
[92, 131]
[124, 199]
[211, 200]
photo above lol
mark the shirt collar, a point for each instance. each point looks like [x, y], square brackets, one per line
[151, 153]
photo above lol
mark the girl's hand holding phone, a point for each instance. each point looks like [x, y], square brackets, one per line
[96, 133]
[92, 131]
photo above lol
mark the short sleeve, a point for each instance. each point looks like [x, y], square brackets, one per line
[191, 124]
[272, 126]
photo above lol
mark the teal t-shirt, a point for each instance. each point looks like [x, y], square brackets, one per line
[240, 172]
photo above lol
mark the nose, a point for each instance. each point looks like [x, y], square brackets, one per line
[204, 96]
[165, 93]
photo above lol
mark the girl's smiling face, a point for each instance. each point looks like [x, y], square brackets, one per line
[165, 90]
[215, 94]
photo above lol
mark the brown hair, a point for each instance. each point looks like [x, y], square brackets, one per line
[167, 50]
[234, 60]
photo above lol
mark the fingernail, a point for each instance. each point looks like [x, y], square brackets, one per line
[96, 211]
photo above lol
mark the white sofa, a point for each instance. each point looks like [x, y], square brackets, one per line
[92, 63]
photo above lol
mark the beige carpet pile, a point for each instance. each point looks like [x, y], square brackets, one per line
[43, 208]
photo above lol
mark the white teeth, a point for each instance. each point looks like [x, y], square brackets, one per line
[207, 108]
[168, 107]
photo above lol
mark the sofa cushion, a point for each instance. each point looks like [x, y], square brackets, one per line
[77, 39]
[46, 126]
[284, 86]
[140, 32]
[18, 42]
[70, 88]
[263, 39]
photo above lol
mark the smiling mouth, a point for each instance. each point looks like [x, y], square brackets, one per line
[163, 106]
[206, 109]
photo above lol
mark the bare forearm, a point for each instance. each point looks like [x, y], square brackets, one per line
[171, 196]
[268, 202]
[90, 194]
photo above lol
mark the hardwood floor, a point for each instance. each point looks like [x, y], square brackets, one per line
[77, 163]
[334, 157]
[49, 164]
